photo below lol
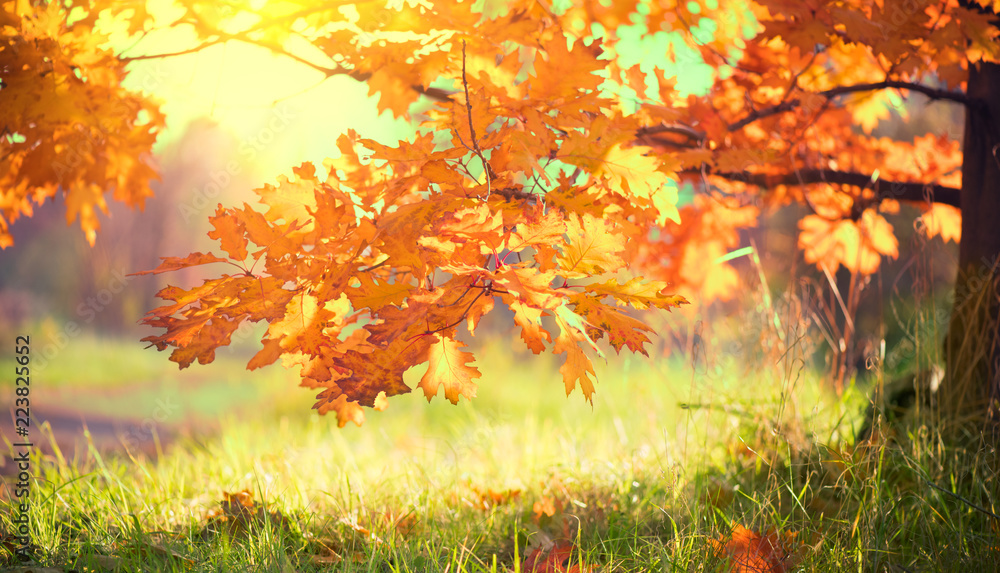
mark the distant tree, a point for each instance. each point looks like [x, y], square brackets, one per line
[551, 159]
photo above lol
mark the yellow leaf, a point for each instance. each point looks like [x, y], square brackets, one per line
[858, 246]
[944, 221]
[81, 201]
[634, 172]
[448, 366]
[593, 247]
[530, 321]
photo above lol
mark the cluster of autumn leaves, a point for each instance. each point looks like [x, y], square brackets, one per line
[545, 177]
[69, 125]
[533, 185]
[364, 274]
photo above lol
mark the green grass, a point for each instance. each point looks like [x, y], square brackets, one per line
[633, 483]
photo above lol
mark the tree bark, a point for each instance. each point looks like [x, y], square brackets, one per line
[972, 345]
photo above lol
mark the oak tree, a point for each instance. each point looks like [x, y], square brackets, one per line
[551, 160]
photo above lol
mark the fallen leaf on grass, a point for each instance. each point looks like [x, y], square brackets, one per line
[547, 506]
[154, 549]
[325, 551]
[101, 562]
[238, 513]
[749, 552]
[331, 552]
[563, 557]
[718, 494]
[352, 541]
[403, 524]
[351, 521]
[144, 551]
[10, 543]
[490, 497]
[98, 562]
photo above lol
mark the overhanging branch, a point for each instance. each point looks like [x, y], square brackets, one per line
[184, 52]
[933, 93]
[433, 93]
[673, 128]
[902, 191]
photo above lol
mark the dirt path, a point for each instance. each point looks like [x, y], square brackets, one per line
[139, 420]
[66, 428]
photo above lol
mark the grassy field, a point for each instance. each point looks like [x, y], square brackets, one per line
[661, 473]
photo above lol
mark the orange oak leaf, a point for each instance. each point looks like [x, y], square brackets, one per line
[563, 557]
[942, 221]
[291, 199]
[622, 330]
[203, 342]
[83, 201]
[639, 293]
[368, 375]
[749, 552]
[300, 327]
[395, 94]
[177, 263]
[438, 171]
[346, 410]
[273, 237]
[481, 306]
[448, 366]
[592, 248]
[375, 295]
[635, 171]
[529, 285]
[541, 233]
[479, 223]
[577, 367]
[564, 71]
[859, 246]
[230, 231]
[529, 319]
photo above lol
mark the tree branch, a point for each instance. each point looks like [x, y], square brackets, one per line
[433, 93]
[193, 50]
[902, 191]
[674, 128]
[933, 93]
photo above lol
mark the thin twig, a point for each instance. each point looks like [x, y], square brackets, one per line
[487, 170]
[963, 500]
[465, 314]
[193, 50]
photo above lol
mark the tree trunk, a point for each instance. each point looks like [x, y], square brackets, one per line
[972, 345]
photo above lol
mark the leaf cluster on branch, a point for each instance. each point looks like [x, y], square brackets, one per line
[536, 179]
[372, 265]
[68, 125]
[545, 176]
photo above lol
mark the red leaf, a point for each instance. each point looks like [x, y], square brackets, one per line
[749, 552]
[562, 558]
